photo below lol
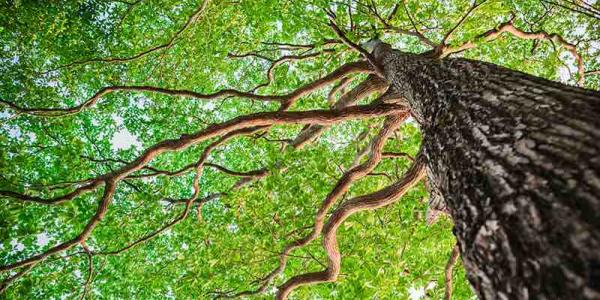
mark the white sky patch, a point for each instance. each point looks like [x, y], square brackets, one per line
[416, 293]
[185, 246]
[594, 47]
[14, 132]
[569, 60]
[123, 139]
[563, 74]
[209, 105]
[117, 119]
[77, 274]
[17, 246]
[5, 114]
[233, 228]
[42, 239]
[170, 294]
[142, 102]
[579, 30]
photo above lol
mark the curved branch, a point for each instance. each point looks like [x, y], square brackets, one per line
[371, 201]
[277, 62]
[286, 100]
[368, 56]
[88, 281]
[292, 47]
[390, 28]
[92, 185]
[324, 117]
[537, 35]
[244, 122]
[9, 280]
[198, 167]
[165, 45]
[397, 154]
[369, 86]
[156, 172]
[472, 8]
[391, 124]
[448, 272]
[59, 112]
[109, 190]
[339, 87]
[593, 72]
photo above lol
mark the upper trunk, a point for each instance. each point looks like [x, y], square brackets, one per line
[517, 160]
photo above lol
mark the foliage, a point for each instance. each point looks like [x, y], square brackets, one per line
[49, 58]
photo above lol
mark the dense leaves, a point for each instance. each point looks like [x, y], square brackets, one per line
[57, 54]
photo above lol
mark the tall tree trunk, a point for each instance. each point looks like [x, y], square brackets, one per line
[517, 160]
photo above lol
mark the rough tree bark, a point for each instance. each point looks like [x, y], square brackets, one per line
[517, 160]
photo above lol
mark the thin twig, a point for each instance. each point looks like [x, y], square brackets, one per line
[448, 271]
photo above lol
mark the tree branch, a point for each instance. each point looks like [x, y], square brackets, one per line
[371, 201]
[109, 190]
[448, 271]
[195, 15]
[391, 124]
[368, 56]
[369, 86]
[286, 100]
[88, 281]
[388, 27]
[537, 35]
[473, 7]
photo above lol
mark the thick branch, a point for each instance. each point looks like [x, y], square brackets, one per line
[288, 99]
[342, 186]
[109, 190]
[369, 86]
[537, 35]
[243, 122]
[371, 201]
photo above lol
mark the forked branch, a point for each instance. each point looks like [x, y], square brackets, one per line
[371, 201]
[392, 123]
[286, 100]
[111, 179]
[508, 27]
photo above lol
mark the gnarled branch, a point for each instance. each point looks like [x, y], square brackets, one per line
[371, 201]
[342, 186]
[537, 35]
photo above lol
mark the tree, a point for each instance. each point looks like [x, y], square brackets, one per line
[511, 157]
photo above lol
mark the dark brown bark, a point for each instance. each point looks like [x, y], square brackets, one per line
[517, 160]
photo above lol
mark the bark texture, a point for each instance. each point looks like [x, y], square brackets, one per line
[516, 159]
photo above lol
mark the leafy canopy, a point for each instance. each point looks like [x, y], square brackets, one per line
[57, 54]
